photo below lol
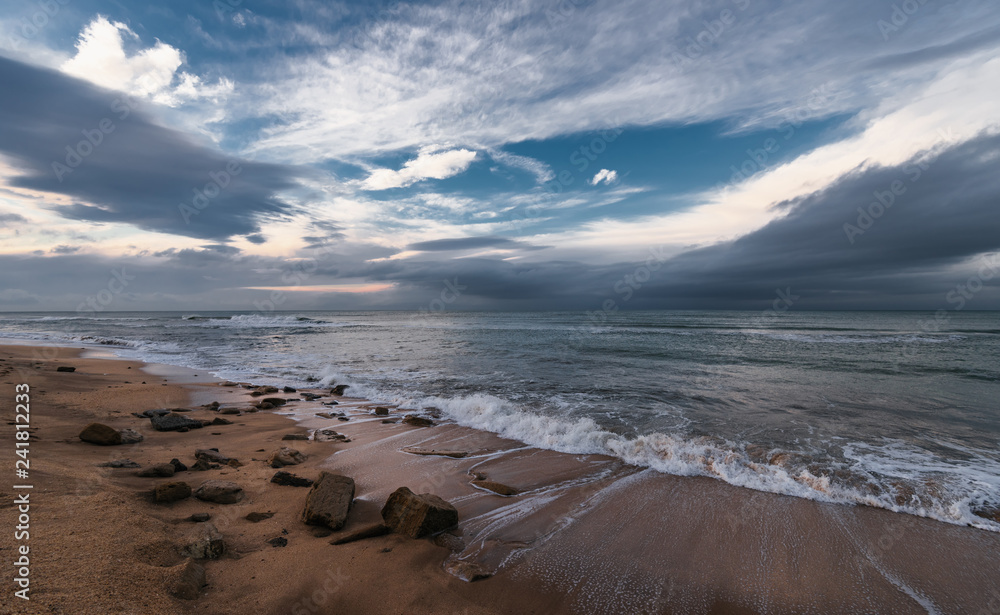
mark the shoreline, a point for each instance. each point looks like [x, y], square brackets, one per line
[586, 534]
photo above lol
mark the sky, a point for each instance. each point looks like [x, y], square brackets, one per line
[520, 155]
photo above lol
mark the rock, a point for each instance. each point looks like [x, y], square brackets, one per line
[151, 413]
[449, 541]
[329, 501]
[285, 457]
[331, 403]
[263, 391]
[993, 514]
[368, 531]
[229, 411]
[221, 421]
[429, 451]
[339, 389]
[98, 433]
[219, 492]
[119, 463]
[290, 480]
[178, 466]
[234, 463]
[280, 541]
[173, 422]
[343, 418]
[161, 470]
[321, 531]
[390, 421]
[199, 517]
[200, 466]
[169, 410]
[310, 396]
[417, 421]
[381, 411]
[418, 515]
[205, 543]
[467, 571]
[265, 406]
[190, 578]
[65, 368]
[287, 390]
[328, 435]
[211, 454]
[257, 517]
[495, 487]
[130, 436]
[274, 401]
[295, 436]
[172, 492]
[324, 415]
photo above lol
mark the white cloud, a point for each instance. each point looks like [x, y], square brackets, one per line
[606, 176]
[427, 165]
[152, 72]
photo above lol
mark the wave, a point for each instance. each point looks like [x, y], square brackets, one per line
[258, 321]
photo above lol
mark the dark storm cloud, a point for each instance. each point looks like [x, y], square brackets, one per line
[67, 136]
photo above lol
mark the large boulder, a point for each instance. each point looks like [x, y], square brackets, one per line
[173, 422]
[172, 491]
[329, 501]
[285, 456]
[416, 515]
[219, 492]
[98, 433]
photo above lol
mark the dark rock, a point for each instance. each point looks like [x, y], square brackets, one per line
[172, 492]
[418, 515]
[119, 463]
[151, 413]
[211, 454]
[343, 418]
[130, 436]
[993, 514]
[178, 466]
[280, 541]
[417, 421]
[65, 368]
[221, 421]
[310, 396]
[257, 517]
[190, 578]
[390, 421]
[274, 401]
[331, 403]
[285, 457]
[368, 531]
[467, 571]
[329, 501]
[290, 480]
[173, 422]
[381, 411]
[321, 531]
[324, 415]
[199, 517]
[287, 390]
[98, 433]
[160, 470]
[430, 451]
[200, 466]
[329, 435]
[449, 541]
[295, 436]
[206, 542]
[219, 492]
[495, 487]
[264, 405]
[339, 389]
[229, 411]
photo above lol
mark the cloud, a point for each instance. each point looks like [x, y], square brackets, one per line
[9, 219]
[440, 165]
[64, 249]
[152, 73]
[606, 176]
[463, 243]
[138, 172]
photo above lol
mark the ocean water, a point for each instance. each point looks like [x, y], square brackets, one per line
[899, 410]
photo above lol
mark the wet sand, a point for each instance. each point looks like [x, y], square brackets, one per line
[586, 534]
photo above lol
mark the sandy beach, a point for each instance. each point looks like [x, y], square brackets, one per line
[577, 534]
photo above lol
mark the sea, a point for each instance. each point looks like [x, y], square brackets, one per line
[898, 410]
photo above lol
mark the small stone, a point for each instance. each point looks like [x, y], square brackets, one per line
[381, 411]
[467, 571]
[162, 470]
[221, 421]
[219, 492]
[172, 492]
[257, 517]
[178, 466]
[264, 405]
[65, 368]
[390, 421]
[280, 541]
[200, 466]
[119, 463]
[98, 433]
[287, 390]
[211, 454]
[339, 389]
[417, 421]
[285, 457]
[321, 531]
[130, 436]
[199, 517]
[295, 436]
[205, 543]
[174, 422]
[229, 411]
[495, 487]
[290, 480]
[274, 401]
